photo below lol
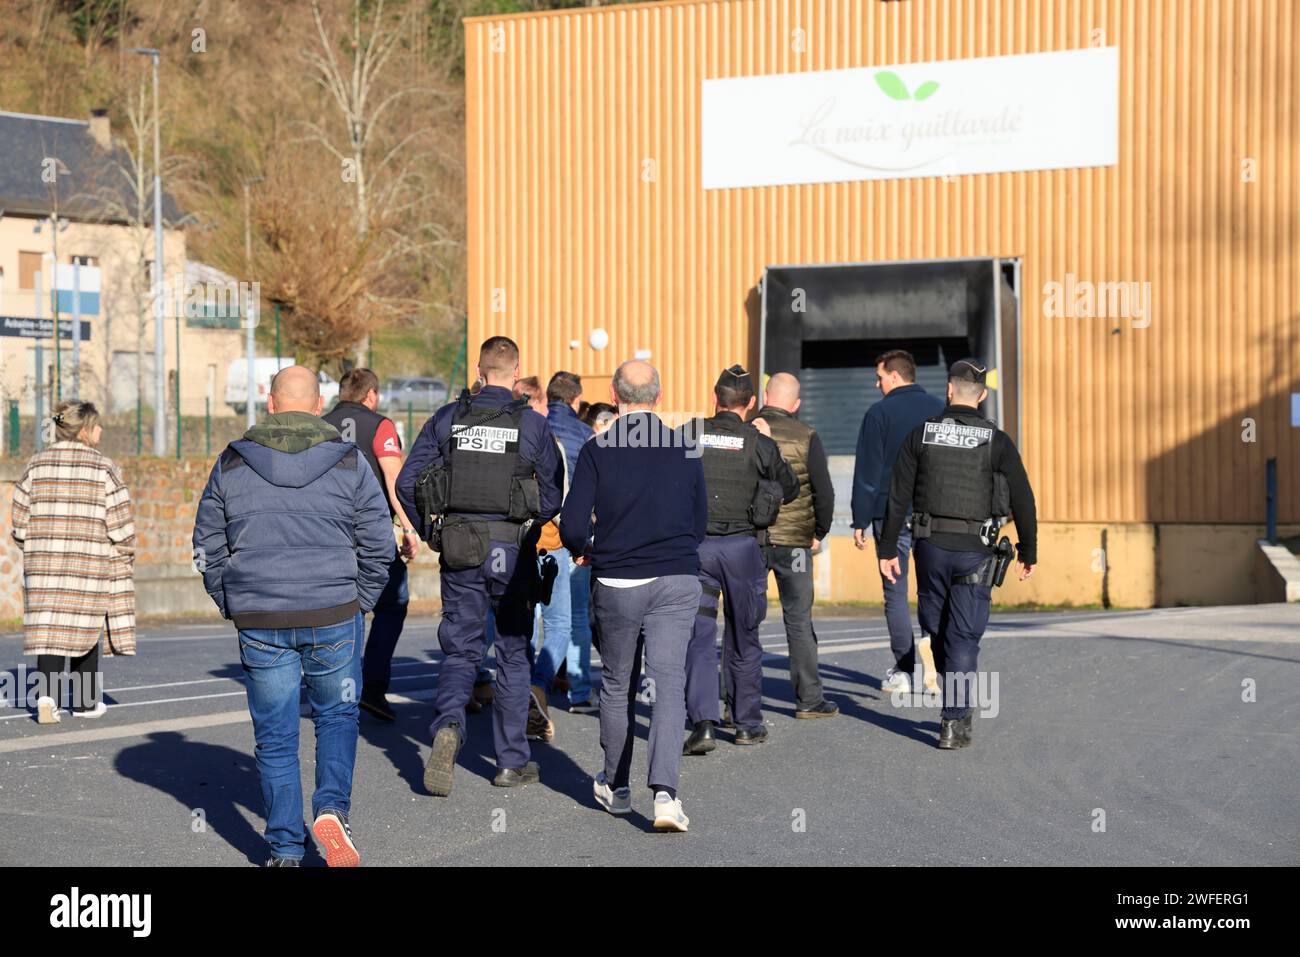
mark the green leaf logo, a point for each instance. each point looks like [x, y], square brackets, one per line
[892, 85]
[925, 90]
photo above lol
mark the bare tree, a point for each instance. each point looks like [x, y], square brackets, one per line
[376, 159]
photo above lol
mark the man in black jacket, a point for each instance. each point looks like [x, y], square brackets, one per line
[356, 417]
[948, 472]
[747, 482]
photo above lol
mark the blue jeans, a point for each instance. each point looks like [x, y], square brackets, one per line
[275, 663]
[578, 664]
[557, 624]
[898, 616]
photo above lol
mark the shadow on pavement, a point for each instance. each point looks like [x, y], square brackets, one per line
[208, 777]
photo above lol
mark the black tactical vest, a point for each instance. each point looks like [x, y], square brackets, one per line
[359, 425]
[954, 473]
[484, 459]
[730, 467]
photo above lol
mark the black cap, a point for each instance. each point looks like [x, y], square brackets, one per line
[971, 370]
[734, 378]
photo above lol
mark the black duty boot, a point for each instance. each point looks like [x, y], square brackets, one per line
[827, 709]
[701, 740]
[954, 733]
[964, 729]
[374, 702]
[441, 766]
[514, 777]
[754, 735]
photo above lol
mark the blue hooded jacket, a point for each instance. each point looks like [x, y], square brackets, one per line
[570, 430]
[293, 529]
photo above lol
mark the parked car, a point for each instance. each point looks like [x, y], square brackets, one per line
[264, 369]
[422, 393]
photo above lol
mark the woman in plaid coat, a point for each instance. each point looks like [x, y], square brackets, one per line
[72, 520]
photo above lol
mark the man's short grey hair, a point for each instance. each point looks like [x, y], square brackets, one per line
[641, 393]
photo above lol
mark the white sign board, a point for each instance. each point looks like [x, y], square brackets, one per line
[84, 278]
[949, 118]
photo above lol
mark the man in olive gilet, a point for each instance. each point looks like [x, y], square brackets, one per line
[798, 532]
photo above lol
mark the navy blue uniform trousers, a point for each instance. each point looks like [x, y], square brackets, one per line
[731, 566]
[504, 584]
[956, 614]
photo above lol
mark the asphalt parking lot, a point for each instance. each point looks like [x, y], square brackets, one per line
[1161, 737]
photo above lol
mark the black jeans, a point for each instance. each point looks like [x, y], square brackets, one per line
[794, 583]
[385, 628]
[84, 673]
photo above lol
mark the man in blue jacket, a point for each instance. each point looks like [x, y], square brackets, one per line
[293, 539]
[489, 477]
[565, 620]
[904, 406]
[641, 489]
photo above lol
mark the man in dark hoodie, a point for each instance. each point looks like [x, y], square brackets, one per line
[294, 540]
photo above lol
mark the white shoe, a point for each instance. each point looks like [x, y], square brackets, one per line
[896, 681]
[94, 712]
[668, 813]
[615, 801]
[47, 712]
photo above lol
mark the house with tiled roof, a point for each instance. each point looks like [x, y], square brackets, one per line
[68, 195]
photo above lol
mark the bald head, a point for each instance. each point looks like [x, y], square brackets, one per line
[295, 389]
[782, 392]
[636, 385]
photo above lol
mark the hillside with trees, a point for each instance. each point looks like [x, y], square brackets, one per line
[340, 121]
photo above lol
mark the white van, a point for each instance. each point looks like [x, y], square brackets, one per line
[264, 369]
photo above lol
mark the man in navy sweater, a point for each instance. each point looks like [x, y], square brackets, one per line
[643, 494]
[887, 423]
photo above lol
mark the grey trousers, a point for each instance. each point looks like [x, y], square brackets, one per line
[655, 619]
[794, 583]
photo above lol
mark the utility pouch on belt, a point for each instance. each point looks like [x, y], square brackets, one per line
[766, 503]
[432, 492]
[920, 526]
[525, 499]
[463, 544]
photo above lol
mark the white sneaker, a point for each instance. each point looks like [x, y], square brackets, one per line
[615, 801]
[668, 813]
[94, 712]
[896, 681]
[47, 712]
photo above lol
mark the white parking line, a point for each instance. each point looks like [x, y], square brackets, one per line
[855, 638]
[89, 735]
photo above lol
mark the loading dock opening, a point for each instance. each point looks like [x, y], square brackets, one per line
[826, 323]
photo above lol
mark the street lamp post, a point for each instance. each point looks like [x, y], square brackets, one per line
[160, 332]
